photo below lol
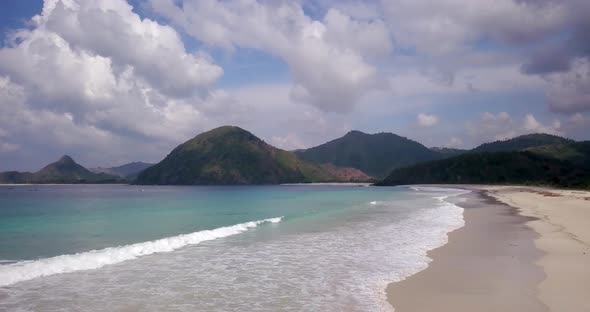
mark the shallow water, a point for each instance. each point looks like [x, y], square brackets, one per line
[263, 248]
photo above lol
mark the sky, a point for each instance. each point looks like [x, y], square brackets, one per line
[114, 81]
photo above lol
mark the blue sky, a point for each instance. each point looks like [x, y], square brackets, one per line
[15, 13]
[115, 81]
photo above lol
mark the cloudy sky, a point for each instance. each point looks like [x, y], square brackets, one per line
[112, 81]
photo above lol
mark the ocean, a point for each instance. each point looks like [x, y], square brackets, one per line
[215, 248]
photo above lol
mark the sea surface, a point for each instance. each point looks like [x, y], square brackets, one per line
[196, 248]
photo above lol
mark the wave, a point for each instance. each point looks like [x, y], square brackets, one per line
[94, 259]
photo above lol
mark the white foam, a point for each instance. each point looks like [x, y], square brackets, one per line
[373, 203]
[94, 259]
[450, 220]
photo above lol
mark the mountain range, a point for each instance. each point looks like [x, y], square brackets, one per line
[525, 160]
[374, 154]
[127, 171]
[522, 142]
[63, 171]
[230, 155]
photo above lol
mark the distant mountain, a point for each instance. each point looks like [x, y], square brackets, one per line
[15, 177]
[65, 170]
[447, 151]
[128, 171]
[231, 155]
[561, 165]
[522, 142]
[374, 154]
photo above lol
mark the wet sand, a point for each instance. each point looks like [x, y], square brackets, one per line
[488, 265]
[563, 222]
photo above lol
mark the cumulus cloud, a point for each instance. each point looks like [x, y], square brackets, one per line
[93, 74]
[95, 77]
[330, 59]
[273, 115]
[426, 120]
[552, 37]
[454, 142]
[532, 125]
[577, 126]
[491, 127]
[448, 26]
[112, 30]
[288, 142]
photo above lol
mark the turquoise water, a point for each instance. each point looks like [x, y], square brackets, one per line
[44, 221]
[260, 248]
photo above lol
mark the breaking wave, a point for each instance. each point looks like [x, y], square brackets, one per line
[94, 259]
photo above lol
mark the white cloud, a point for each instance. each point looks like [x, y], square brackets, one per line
[577, 126]
[454, 142]
[92, 75]
[8, 147]
[112, 30]
[532, 125]
[426, 120]
[104, 66]
[330, 59]
[270, 113]
[491, 79]
[289, 142]
[491, 127]
[449, 26]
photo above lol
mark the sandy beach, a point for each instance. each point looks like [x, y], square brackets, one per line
[521, 249]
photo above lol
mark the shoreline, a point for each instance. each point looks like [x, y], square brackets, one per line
[562, 219]
[516, 252]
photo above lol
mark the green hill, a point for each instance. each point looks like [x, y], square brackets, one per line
[522, 142]
[577, 153]
[449, 152]
[561, 165]
[65, 170]
[231, 155]
[375, 154]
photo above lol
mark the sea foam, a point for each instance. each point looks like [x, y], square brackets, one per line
[94, 259]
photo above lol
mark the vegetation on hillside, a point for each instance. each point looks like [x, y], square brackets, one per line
[65, 170]
[231, 155]
[374, 154]
[561, 165]
[448, 151]
[522, 142]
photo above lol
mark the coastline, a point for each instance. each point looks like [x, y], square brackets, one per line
[516, 252]
[563, 223]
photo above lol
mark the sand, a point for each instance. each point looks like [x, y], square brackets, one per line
[488, 265]
[564, 227]
[526, 251]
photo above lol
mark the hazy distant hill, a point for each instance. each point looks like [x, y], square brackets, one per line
[522, 142]
[65, 170]
[374, 154]
[128, 171]
[447, 151]
[562, 165]
[231, 155]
